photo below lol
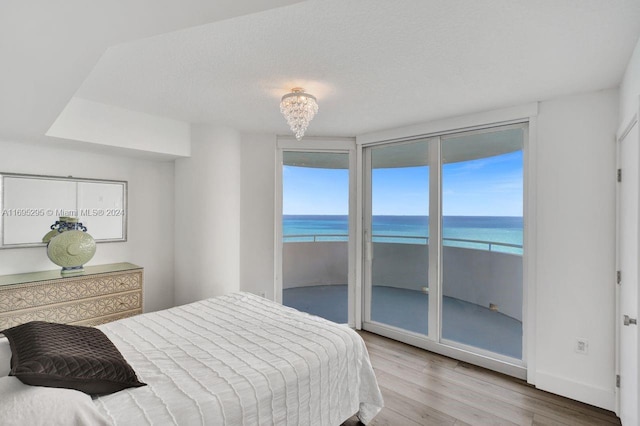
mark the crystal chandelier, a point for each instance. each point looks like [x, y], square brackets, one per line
[298, 108]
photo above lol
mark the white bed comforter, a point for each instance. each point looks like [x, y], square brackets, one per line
[240, 359]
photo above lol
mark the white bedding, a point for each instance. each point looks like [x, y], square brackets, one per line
[5, 357]
[22, 405]
[241, 360]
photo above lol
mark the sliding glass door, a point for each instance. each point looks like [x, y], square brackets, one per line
[482, 236]
[315, 233]
[397, 235]
[316, 229]
[443, 233]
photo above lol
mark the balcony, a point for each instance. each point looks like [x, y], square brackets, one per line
[482, 286]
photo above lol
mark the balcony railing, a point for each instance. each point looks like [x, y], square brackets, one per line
[409, 239]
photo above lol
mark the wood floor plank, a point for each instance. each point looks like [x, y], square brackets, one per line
[541, 420]
[543, 400]
[471, 394]
[471, 398]
[416, 411]
[390, 417]
[511, 405]
[420, 387]
[439, 402]
[402, 348]
[564, 415]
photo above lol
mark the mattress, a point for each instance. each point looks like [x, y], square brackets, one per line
[241, 359]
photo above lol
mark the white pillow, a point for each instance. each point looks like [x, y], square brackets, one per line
[5, 357]
[37, 405]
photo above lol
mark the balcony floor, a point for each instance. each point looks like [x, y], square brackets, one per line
[463, 322]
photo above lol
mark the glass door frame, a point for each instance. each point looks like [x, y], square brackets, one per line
[434, 235]
[460, 345]
[434, 341]
[323, 145]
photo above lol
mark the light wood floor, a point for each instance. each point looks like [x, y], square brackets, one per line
[422, 388]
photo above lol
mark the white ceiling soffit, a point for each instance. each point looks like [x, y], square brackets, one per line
[483, 144]
[321, 160]
[49, 47]
[465, 146]
[373, 64]
[455, 148]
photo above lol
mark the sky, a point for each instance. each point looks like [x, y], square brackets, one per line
[489, 186]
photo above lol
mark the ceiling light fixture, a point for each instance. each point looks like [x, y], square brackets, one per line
[298, 108]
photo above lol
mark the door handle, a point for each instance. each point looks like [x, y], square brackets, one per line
[629, 321]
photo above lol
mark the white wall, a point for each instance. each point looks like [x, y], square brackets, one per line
[476, 276]
[630, 88]
[483, 277]
[257, 214]
[575, 269]
[207, 215]
[150, 226]
[103, 124]
[307, 264]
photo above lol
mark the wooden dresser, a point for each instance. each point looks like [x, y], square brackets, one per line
[101, 294]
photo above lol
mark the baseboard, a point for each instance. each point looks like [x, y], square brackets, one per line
[600, 397]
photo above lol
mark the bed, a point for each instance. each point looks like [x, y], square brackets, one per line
[240, 359]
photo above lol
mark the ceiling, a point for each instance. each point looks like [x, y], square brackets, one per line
[372, 64]
[47, 48]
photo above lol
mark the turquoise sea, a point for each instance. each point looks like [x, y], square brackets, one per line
[495, 233]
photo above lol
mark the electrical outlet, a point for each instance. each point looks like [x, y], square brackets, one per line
[582, 345]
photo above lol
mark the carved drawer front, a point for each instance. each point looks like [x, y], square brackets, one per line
[78, 311]
[83, 287]
[103, 320]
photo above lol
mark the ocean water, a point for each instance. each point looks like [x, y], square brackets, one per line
[495, 233]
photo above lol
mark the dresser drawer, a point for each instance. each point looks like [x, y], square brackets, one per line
[78, 311]
[52, 292]
[103, 320]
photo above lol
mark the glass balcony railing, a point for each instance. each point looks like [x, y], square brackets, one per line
[495, 246]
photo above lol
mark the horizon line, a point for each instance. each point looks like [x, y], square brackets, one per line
[398, 215]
